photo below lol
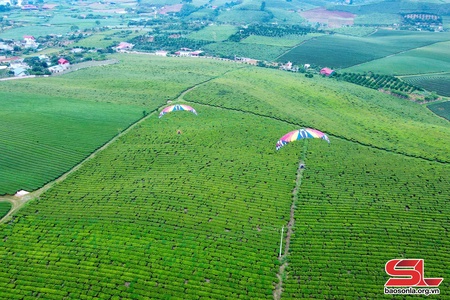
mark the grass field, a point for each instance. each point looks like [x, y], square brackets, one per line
[428, 59]
[285, 41]
[374, 19]
[191, 207]
[50, 124]
[36, 31]
[439, 83]
[238, 16]
[355, 30]
[255, 51]
[338, 51]
[4, 208]
[216, 33]
[441, 109]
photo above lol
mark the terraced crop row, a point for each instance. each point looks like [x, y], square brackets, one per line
[359, 208]
[48, 125]
[4, 208]
[160, 215]
[337, 108]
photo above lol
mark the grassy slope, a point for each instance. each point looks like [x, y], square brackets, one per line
[340, 109]
[174, 215]
[50, 124]
[339, 51]
[214, 33]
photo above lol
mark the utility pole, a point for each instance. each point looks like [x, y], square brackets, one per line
[281, 239]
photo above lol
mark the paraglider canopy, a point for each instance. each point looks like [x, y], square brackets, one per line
[176, 107]
[304, 133]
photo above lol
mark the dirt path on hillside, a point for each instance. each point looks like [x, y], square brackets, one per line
[282, 275]
[18, 202]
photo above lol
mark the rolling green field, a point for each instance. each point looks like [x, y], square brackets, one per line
[36, 31]
[340, 109]
[255, 51]
[428, 59]
[4, 208]
[439, 83]
[51, 124]
[338, 51]
[442, 109]
[285, 41]
[214, 33]
[43, 137]
[191, 207]
[161, 215]
[239, 16]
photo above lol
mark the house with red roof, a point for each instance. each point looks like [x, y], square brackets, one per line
[326, 71]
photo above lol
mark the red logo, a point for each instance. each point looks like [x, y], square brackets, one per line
[410, 273]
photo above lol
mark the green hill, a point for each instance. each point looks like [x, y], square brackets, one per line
[191, 207]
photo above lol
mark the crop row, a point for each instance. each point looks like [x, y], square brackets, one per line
[359, 208]
[375, 81]
[160, 214]
[4, 208]
[436, 83]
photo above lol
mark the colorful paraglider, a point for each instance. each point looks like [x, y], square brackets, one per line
[176, 107]
[304, 133]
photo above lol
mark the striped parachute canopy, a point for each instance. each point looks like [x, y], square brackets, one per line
[304, 133]
[176, 107]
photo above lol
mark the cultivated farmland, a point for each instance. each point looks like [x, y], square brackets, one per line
[428, 59]
[214, 33]
[359, 207]
[337, 51]
[439, 83]
[4, 208]
[190, 207]
[51, 124]
[441, 109]
[340, 109]
[160, 215]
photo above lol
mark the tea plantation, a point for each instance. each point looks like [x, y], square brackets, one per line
[191, 207]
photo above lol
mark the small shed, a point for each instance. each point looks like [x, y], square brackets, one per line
[326, 71]
[21, 193]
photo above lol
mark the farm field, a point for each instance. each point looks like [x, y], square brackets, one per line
[238, 16]
[285, 41]
[4, 208]
[160, 215]
[428, 59]
[439, 83]
[357, 209]
[216, 33]
[43, 138]
[255, 51]
[61, 120]
[442, 109]
[338, 51]
[340, 109]
[189, 206]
